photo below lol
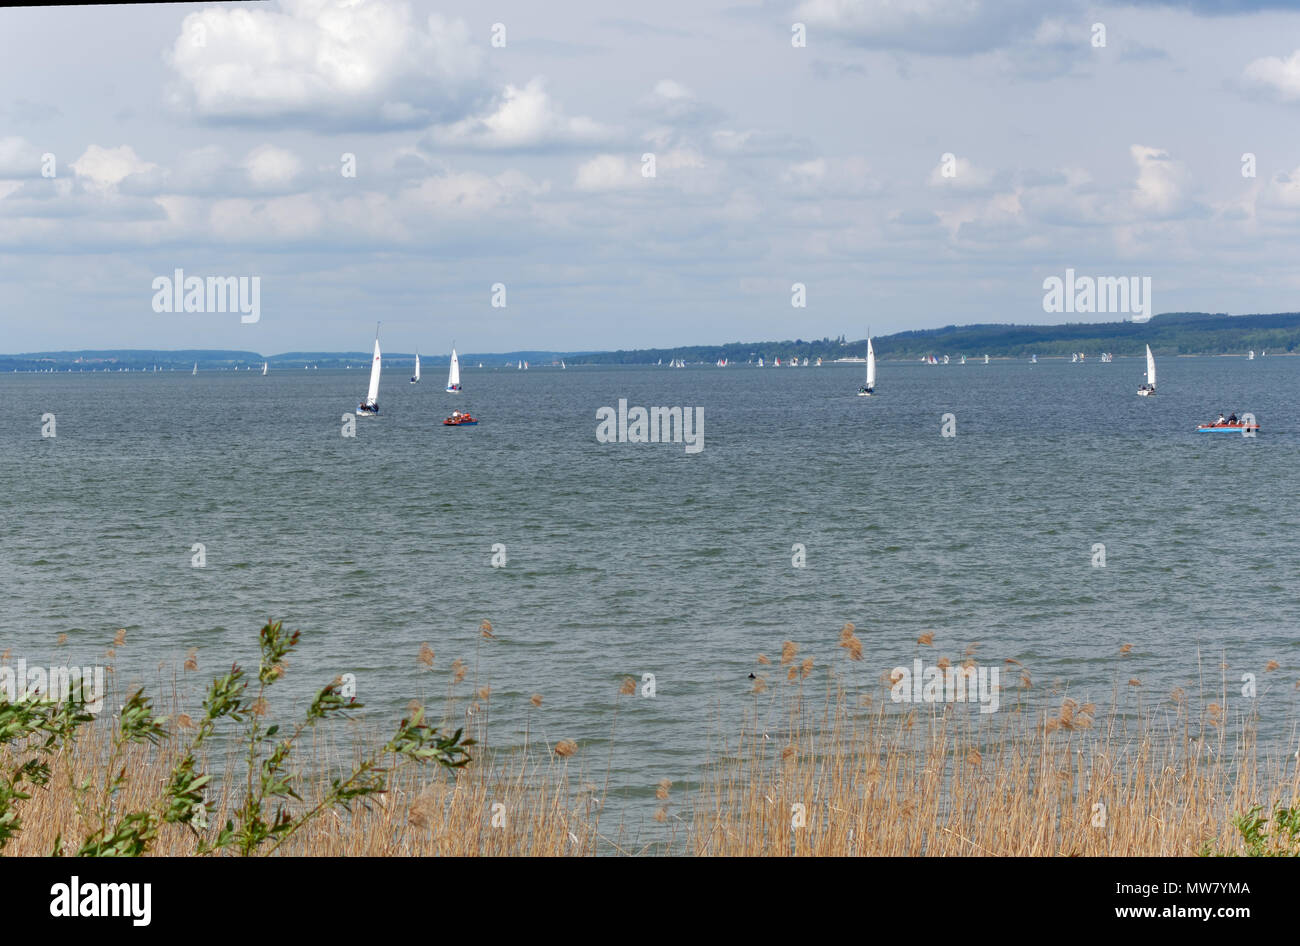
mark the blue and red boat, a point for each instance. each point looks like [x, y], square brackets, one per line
[1226, 428]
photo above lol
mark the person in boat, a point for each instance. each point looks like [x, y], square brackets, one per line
[1220, 422]
[1233, 418]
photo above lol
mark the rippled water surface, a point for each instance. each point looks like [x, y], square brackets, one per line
[631, 559]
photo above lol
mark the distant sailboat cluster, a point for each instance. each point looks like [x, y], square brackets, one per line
[370, 406]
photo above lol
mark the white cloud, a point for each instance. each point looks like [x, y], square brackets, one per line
[960, 175]
[269, 166]
[18, 158]
[523, 118]
[104, 168]
[326, 63]
[1278, 78]
[606, 172]
[1161, 188]
[845, 177]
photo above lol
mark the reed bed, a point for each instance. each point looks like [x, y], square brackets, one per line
[853, 773]
[821, 763]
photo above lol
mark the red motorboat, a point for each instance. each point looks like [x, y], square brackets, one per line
[459, 419]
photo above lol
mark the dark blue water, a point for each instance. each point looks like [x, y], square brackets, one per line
[628, 559]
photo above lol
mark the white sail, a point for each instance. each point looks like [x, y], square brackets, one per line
[264, 364]
[453, 376]
[372, 395]
[417, 366]
[871, 365]
[196, 368]
[1151, 367]
[986, 359]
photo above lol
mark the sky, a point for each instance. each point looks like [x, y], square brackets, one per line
[910, 163]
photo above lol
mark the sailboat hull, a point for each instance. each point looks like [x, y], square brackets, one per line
[1146, 393]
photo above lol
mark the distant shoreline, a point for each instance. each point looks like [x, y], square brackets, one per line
[1170, 334]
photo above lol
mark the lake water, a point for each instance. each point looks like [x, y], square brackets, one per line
[627, 559]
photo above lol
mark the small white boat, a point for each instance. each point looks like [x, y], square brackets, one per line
[869, 388]
[264, 367]
[370, 405]
[1251, 356]
[453, 374]
[986, 359]
[760, 361]
[819, 362]
[415, 378]
[1033, 359]
[963, 359]
[1149, 388]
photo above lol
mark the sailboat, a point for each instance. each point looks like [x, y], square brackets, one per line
[1150, 387]
[870, 387]
[986, 359]
[1033, 359]
[760, 361]
[453, 375]
[945, 359]
[1251, 356]
[264, 365]
[563, 366]
[963, 359]
[819, 362]
[196, 368]
[371, 404]
[415, 378]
